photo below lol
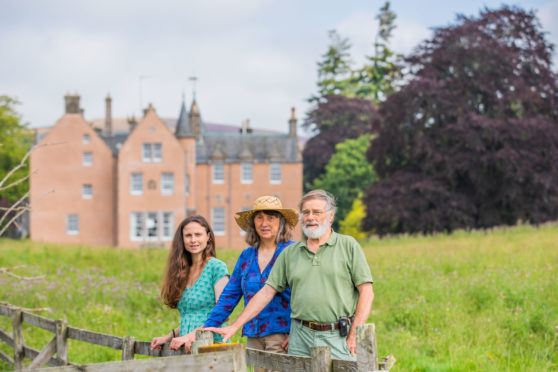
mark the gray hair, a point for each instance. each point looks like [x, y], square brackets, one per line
[319, 194]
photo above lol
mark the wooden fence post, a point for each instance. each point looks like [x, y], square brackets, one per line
[203, 338]
[62, 340]
[321, 359]
[128, 348]
[367, 351]
[18, 339]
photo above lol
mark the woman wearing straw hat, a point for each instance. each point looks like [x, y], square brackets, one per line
[268, 229]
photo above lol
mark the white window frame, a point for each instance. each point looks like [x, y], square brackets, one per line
[275, 173]
[157, 152]
[146, 152]
[167, 226]
[86, 139]
[167, 183]
[140, 225]
[87, 159]
[72, 224]
[136, 225]
[218, 221]
[149, 226]
[246, 173]
[219, 172]
[152, 152]
[136, 183]
[87, 191]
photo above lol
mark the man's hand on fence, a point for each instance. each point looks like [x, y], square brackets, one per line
[285, 344]
[226, 332]
[351, 342]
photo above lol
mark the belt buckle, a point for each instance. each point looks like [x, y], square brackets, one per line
[312, 324]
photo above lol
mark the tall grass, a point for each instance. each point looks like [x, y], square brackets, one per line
[470, 301]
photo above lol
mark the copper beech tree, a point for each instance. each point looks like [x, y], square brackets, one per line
[471, 141]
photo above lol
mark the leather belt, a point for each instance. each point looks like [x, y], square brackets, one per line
[315, 326]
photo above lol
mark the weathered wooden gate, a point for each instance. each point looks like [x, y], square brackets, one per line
[205, 356]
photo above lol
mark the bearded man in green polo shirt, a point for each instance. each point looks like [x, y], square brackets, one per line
[330, 281]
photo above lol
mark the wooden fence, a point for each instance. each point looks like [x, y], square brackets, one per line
[222, 357]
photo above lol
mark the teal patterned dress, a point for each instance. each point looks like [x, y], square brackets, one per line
[197, 301]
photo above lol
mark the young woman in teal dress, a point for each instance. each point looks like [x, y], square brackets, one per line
[194, 280]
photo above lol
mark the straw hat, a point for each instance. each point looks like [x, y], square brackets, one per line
[266, 203]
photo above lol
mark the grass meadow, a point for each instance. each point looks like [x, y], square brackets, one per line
[469, 301]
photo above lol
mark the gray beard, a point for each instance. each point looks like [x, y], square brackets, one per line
[316, 232]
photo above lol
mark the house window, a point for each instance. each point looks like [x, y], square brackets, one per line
[187, 185]
[87, 191]
[151, 226]
[87, 159]
[218, 172]
[246, 173]
[136, 184]
[167, 183]
[136, 226]
[275, 173]
[86, 138]
[168, 225]
[72, 224]
[152, 152]
[218, 221]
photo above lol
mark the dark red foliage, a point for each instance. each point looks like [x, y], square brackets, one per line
[472, 139]
[334, 119]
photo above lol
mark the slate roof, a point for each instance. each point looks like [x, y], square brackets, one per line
[263, 147]
[183, 128]
[115, 141]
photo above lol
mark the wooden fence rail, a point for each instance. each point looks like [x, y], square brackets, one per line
[320, 360]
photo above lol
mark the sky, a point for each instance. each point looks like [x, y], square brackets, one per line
[253, 59]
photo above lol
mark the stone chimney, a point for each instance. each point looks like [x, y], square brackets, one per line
[292, 124]
[132, 122]
[72, 104]
[248, 129]
[108, 115]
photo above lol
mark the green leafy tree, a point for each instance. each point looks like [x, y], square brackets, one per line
[334, 68]
[352, 223]
[347, 173]
[377, 79]
[15, 142]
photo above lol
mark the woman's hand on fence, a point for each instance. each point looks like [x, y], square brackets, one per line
[158, 342]
[285, 344]
[185, 340]
[226, 332]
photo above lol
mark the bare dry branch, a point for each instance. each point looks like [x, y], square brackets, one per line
[15, 205]
[47, 309]
[21, 212]
[6, 270]
[22, 162]
[15, 183]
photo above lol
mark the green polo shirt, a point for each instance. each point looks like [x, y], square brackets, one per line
[323, 285]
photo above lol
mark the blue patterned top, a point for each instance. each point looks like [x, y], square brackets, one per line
[246, 280]
[197, 301]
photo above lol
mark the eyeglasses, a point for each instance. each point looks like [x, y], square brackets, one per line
[316, 213]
